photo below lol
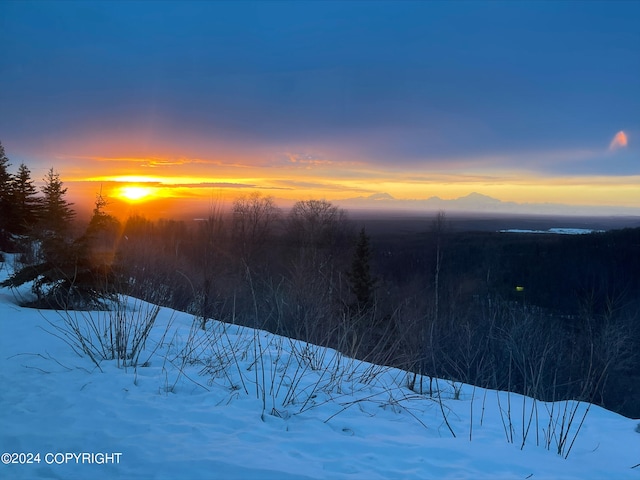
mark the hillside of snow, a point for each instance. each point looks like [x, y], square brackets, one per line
[231, 402]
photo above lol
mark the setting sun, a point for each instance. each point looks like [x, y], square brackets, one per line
[135, 193]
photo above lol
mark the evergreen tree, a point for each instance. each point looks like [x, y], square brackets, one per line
[5, 199]
[101, 236]
[56, 272]
[72, 274]
[26, 204]
[100, 219]
[56, 211]
[362, 284]
[5, 176]
[97, 278]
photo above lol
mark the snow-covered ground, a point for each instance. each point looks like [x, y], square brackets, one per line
[237, 403]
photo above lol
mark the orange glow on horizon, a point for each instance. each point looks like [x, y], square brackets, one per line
[171, 186]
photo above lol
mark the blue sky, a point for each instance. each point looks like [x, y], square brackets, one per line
[349, 97]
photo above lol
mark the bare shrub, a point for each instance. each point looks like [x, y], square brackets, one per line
[119, 333]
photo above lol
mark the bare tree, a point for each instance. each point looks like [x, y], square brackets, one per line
[316, 229]
[432, 332]
[438, 228]
[210, 248]
[316, 223]
[253, 220]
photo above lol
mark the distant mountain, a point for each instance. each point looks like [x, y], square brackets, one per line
[478, 203]
[380, 196]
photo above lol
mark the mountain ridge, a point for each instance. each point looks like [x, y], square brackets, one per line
[476, 202]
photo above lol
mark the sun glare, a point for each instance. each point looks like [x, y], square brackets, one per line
[135, 193]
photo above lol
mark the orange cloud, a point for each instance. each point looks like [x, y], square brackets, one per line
[619, 141]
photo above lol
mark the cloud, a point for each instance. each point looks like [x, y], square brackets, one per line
[619, 141]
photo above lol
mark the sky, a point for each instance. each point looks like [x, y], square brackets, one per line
[522, 101]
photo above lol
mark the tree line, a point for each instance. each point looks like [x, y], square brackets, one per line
[66, 269]
[438, 304]
[25, 209]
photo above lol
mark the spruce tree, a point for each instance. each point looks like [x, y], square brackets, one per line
[96, 278]
[71, 274]
[26, 204]
[362, 284]
[55, 273]
[6, 213]
[101, 236]
[56, 211]
[5, 176]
